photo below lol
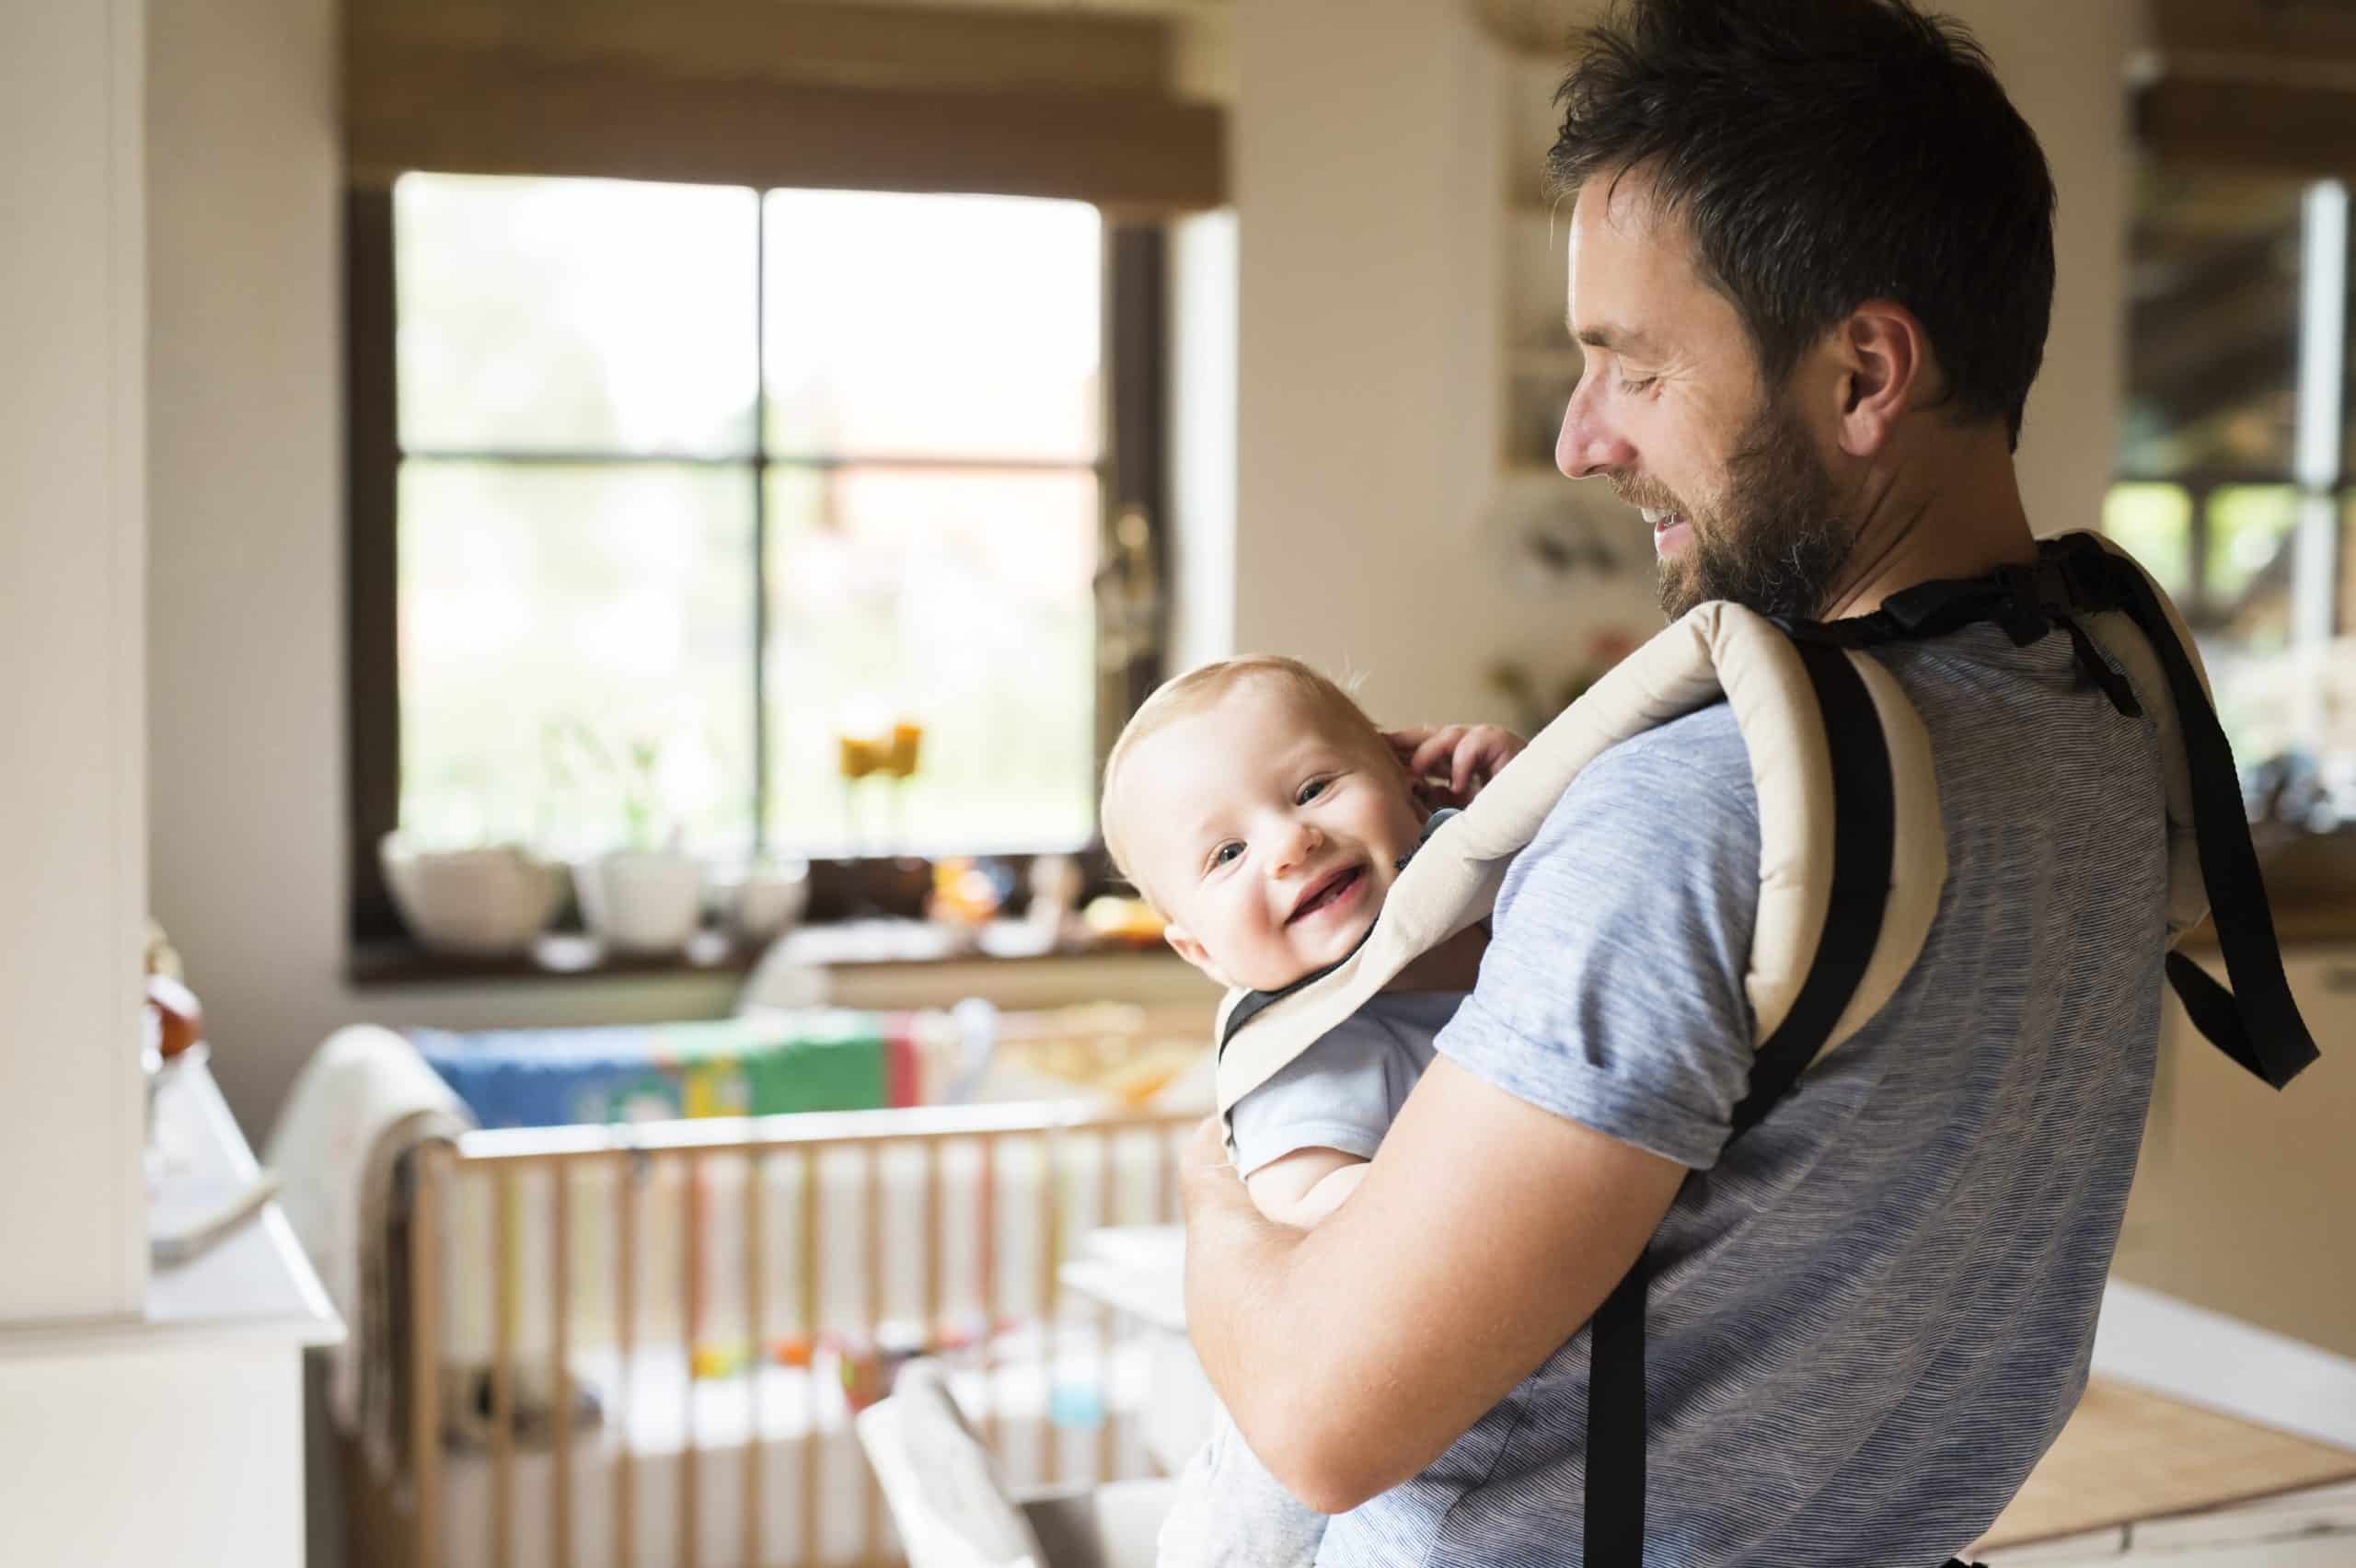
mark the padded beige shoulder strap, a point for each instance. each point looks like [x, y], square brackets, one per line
[1717, 650]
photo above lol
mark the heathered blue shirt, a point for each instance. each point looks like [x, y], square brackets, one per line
[1874, 1311]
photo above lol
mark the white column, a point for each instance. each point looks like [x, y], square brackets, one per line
[72, 806]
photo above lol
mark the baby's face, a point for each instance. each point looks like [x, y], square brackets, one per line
[1267, 835]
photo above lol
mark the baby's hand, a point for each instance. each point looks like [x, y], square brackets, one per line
[1449, 765]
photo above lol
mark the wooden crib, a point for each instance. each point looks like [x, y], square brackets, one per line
[641, 1347]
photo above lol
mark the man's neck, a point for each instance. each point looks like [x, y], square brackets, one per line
[1951, 508]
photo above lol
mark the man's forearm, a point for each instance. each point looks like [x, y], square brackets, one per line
[1236, 1258]
[1279, 1321]
[1485, 1231]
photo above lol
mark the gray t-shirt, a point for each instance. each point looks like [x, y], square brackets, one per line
[1873, 1312]
[1343, 1090]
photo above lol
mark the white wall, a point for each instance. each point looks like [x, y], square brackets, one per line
[73, 874]
[1364, 144]
[2065, 67]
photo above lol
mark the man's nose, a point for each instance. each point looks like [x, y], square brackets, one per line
[1589, 445]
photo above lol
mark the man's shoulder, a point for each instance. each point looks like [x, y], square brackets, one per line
[1684, 781]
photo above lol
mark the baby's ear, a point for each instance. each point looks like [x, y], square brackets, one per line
[1184, 943]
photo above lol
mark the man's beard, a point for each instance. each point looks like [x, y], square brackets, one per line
[1776, 540]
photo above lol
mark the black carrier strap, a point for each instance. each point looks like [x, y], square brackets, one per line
[1864, 830]
[2255, 1023]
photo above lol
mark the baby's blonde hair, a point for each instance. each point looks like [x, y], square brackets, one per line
[1197, 690]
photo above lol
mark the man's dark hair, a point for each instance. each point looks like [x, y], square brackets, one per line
[1824, 153]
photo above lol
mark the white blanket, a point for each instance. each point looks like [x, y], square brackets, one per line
[364, 1098]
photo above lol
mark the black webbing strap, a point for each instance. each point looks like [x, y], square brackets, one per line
[2255, 1023]
[1864, 836]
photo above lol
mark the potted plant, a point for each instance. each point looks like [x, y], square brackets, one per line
[645, 895]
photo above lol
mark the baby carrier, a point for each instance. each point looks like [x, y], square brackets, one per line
[1853, 856]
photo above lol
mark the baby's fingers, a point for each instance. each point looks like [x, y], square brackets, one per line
[1438, 746]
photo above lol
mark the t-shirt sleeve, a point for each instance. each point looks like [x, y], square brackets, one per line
[1611, 992]
[1340, 1092]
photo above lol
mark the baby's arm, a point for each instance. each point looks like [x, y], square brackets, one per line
[1303, 1187]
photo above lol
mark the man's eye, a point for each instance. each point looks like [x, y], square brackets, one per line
[1312, 790]
[1636, 383]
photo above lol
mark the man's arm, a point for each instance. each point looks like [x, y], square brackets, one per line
[1485, 1231]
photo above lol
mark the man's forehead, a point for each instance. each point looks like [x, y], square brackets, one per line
[1628, 260]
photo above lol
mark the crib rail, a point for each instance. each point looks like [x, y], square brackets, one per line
[776, 1239]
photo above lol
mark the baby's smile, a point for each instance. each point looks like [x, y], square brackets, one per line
[1333, 895]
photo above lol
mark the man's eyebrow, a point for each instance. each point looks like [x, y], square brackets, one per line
[1612, 340]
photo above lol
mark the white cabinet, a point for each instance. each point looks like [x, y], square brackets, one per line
[2245, 1203]
[177, 1436]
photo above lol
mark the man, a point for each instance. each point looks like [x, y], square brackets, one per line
[1811, 266]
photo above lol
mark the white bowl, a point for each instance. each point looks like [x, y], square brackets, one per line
[642, 899]
[487, 903]
[765, 902]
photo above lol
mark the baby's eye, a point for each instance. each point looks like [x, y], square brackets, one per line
[1312, 790]
[1226, 854]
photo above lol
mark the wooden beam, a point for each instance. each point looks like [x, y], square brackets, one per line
[2303, 32]
[805, 40]
[481, 112]
[2303, 130]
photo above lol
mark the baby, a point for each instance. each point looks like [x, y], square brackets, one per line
[1260, 811]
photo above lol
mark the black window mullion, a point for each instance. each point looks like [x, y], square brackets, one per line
[372, 564]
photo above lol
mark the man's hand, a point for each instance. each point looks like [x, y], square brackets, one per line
[1486, 1231]
[1449, 765]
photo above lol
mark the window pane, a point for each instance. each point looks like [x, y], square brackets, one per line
[958, 600]
[549, 612]
[932, 326]
[2249, 542]
[2154, 523]
[587, 316]
[2212, 323]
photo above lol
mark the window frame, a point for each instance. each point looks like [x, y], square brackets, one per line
[1132, 469]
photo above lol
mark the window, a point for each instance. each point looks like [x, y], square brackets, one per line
[2233, 488]
[683, 500]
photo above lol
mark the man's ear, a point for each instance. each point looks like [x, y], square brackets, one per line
[1183, 942]
[1886, 368]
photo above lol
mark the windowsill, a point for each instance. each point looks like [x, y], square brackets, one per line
[867, 946]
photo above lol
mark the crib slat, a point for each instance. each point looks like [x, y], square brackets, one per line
[560, 1366]
[625, 1329]
[692, 1213]
[1050, 1225]
[1106, 1213]
[933, 1197]
[429, 1171]
[503, 1369]
[986, 1199]
[871, 1495]
[811, 1438]
[1164, 1189]
[757, 1338]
